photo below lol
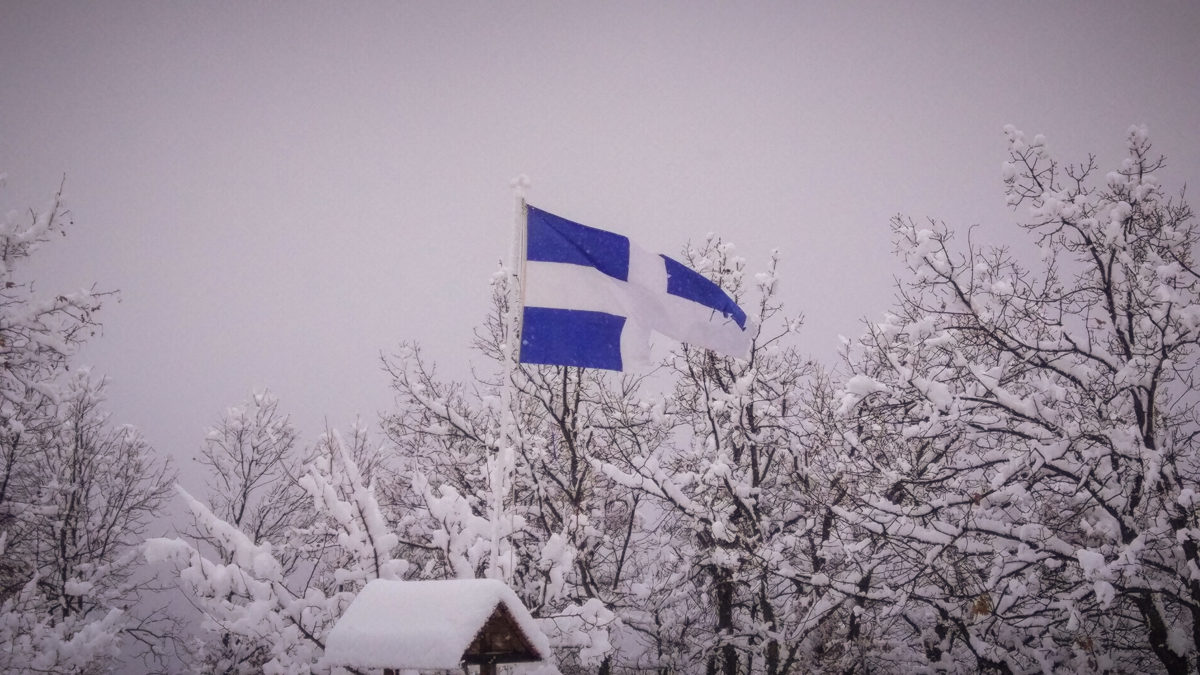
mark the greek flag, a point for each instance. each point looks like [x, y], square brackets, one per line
[592, 297]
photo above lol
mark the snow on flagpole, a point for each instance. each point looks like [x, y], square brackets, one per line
[502, 469]
[516, 259]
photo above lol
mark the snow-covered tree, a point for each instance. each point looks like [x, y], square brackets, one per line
[279, 620]
[253, 469]
[254, 466]
[38, 336]
[98, 488]
[739, 490]
[1024, 435]
[76, 491]
[561, 532]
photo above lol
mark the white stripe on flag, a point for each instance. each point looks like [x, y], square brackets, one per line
[644, 302]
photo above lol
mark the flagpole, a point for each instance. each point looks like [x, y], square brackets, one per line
[502, 470]
[517, 257]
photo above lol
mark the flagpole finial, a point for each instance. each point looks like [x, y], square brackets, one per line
[520, 184]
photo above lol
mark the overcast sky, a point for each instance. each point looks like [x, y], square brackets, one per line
[281, 191]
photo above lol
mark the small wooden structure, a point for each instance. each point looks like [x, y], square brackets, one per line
[433, 625]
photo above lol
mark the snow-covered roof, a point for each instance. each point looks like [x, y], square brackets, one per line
[423, 624]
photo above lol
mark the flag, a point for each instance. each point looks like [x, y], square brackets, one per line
[592, 297]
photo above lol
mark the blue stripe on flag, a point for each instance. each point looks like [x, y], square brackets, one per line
[691, 285]
[556, 239]
[569, 337]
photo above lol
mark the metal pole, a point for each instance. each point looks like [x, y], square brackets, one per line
[502, 470]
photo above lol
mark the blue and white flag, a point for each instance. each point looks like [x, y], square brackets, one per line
[592, 297]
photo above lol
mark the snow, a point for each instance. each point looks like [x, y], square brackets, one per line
[422, 624]
[77, 587]
[557, 557]
[576, 627]
[1091, 563]
[863, 385]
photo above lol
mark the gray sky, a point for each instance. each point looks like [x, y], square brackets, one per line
[282, 190]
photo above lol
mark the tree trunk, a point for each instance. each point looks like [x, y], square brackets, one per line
[729, 660]
[768, 615]
[1174, 663]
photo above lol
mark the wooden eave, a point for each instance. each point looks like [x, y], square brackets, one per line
[500, 640]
